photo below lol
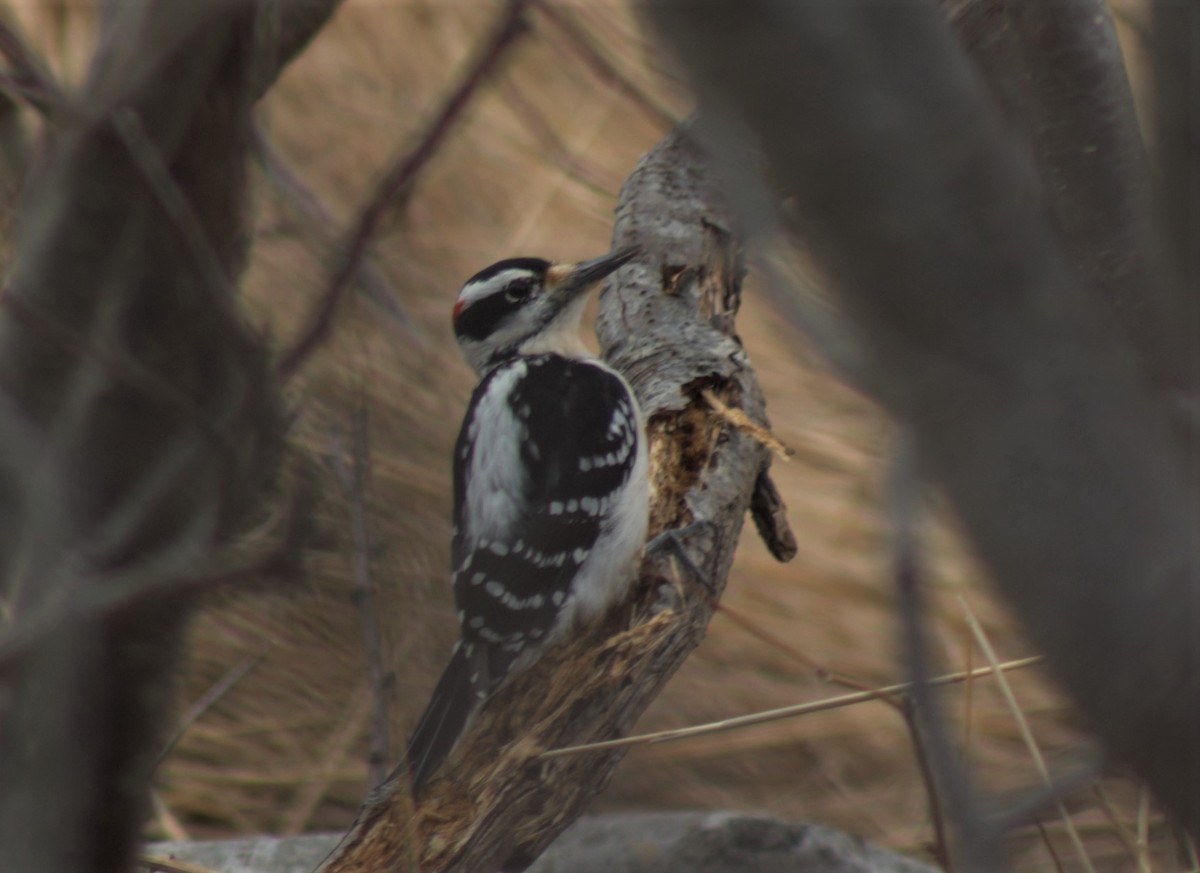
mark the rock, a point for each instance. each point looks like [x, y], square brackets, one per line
[655, 842]
[299, 854]
[721, 842]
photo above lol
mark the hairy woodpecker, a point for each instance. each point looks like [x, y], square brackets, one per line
[550, 486]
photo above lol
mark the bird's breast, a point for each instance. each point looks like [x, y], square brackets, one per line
[495, 494]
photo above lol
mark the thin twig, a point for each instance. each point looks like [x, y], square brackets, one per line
[1049, 844]
[115, 360]
[25, 92]
[154, 864]
[985, 645]
[1189, 850]
[1128, 838]
[968, 705]
[592, 57]
[209, 698]
[101, 597]
[948, 782]
[535, 123]
[1143, 827]
[822, 672]
[356, 483]
[149, 161]
[590, 122]
[288, 181]
[782, 713]
[329, 760]
[166, 820]
[399, 179]
[941, 843]
[1027, 808]
[30, 79]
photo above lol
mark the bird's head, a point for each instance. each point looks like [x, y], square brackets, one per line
[524, 306]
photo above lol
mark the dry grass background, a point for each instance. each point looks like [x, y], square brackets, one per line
[534, 168]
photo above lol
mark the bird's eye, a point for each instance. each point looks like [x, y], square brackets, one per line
[518, 291]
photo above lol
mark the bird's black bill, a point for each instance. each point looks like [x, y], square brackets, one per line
[587, 273]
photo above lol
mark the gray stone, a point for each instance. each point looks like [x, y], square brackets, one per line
[656, 842]
[299, 854]
[721, 842]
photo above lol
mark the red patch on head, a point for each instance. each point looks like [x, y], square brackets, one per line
[457, 311]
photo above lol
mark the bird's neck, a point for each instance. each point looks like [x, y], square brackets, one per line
[565, 342]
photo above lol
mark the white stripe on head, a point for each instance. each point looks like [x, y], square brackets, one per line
[477, 290]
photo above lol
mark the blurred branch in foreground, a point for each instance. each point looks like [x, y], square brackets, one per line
[142, 422]
[959, 267]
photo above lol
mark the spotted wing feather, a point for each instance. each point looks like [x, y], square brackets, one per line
[575, 452]
[564, 443]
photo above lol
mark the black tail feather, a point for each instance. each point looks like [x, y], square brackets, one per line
[445, 717]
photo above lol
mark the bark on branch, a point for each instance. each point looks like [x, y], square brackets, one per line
[667, 322]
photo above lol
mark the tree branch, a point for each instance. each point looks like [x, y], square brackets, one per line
[27, 76]
[666, 322]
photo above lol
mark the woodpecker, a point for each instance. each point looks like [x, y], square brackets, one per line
[550, 486]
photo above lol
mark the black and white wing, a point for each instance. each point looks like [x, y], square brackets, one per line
[568, 445]
[547, 447]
